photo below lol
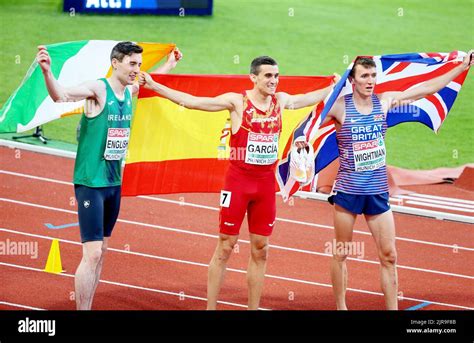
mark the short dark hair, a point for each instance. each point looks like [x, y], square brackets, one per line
[257, 62]
[366, 62]
[123, 49]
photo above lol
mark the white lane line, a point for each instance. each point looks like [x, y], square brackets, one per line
[235, 270]
[39, 178]
[248, 242]
[449, 246]
[183, 203]
[239, 305]
[21, 306]
[433, 201]
[37, 148]
[419, 203]
[428, 196]
[155, 290]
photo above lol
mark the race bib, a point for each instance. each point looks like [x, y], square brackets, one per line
[369, 155]
[225, 198]
[116, 144]
[262, 149]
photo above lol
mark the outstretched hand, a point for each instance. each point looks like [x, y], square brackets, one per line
[43, 58]
[301, 145]
[301, 142]
[174, 57]
[144, 79]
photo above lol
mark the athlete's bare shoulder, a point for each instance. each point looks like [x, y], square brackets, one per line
[237, 100]
[236, 113]
[99, 88]
[235, 96]
[385, 99]
[282, 98]
[93, 106]
[337, 110]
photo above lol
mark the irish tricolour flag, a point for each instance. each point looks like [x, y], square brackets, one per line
[72, 63]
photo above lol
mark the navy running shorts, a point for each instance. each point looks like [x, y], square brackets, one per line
[372, 204]
[98, 210]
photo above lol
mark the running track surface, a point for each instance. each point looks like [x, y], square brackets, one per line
[162, 244]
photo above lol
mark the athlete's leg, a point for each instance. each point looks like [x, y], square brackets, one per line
[86, 274]
[256, 269]
[382, 227]
[233, 205]
[98, 269]
[91, 222]
[111, 212]
[217, 268]
[261, 218]
[343, 224]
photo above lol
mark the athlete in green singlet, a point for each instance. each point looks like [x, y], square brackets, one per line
[103, 141]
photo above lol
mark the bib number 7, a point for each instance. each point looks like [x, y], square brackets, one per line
[225, 198]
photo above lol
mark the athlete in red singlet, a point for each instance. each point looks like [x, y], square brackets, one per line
[250, 180]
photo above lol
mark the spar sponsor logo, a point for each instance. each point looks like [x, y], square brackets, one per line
[118, 132]
[262, 137]
[366, 145]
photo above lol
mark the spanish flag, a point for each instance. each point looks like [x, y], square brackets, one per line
[178, 150]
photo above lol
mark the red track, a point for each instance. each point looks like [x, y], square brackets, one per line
[161, 251]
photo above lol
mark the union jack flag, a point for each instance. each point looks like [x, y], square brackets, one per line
[394, 73]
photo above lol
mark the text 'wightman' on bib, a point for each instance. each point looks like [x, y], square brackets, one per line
[262, 149]
[116, 144]
[369, 155]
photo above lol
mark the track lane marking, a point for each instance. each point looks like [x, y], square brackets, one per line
[183, 203]
[229, 269]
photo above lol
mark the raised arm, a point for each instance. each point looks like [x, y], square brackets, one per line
[165, 68]
[222, 102]
[394, 99]
[59, 93]
[304, 100]
[170, 63]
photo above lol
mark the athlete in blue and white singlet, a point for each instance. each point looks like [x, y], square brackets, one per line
[361, 185]
[362, 150]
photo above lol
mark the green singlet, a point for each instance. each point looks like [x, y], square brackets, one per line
[103, 142]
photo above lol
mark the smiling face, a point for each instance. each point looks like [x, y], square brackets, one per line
[266, 81]
[127, 70]
[364, 79]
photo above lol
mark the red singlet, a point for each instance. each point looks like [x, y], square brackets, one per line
[250, 180]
